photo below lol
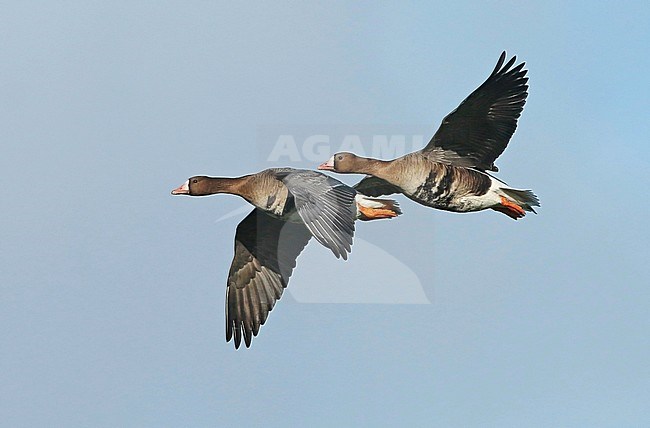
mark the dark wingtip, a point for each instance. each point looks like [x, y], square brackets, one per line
[228, 328]
[502, 58]
[237, 337]
[247, 337]
[501, 68]
[509, 63]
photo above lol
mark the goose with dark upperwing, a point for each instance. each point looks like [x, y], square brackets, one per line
[291, 206]
[450, 173]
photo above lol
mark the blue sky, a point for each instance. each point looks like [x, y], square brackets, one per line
[111, 290]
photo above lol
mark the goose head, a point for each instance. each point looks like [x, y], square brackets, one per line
[199, 186]
[342, 162]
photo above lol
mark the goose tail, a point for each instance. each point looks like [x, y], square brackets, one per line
[376, 208]
[515, 202]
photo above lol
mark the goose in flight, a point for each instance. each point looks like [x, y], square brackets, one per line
[451, 172]
[291, 207]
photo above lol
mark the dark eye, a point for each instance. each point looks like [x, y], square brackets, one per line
[195, 181]
[340, 157]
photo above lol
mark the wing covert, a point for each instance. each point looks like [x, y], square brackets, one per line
[326, 206]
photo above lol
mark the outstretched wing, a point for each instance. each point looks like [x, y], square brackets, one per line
[326, 206]
[266, 249]
[373, 186]
[478, 131]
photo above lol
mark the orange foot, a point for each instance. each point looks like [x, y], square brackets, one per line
[375, 213]
[511, 209]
